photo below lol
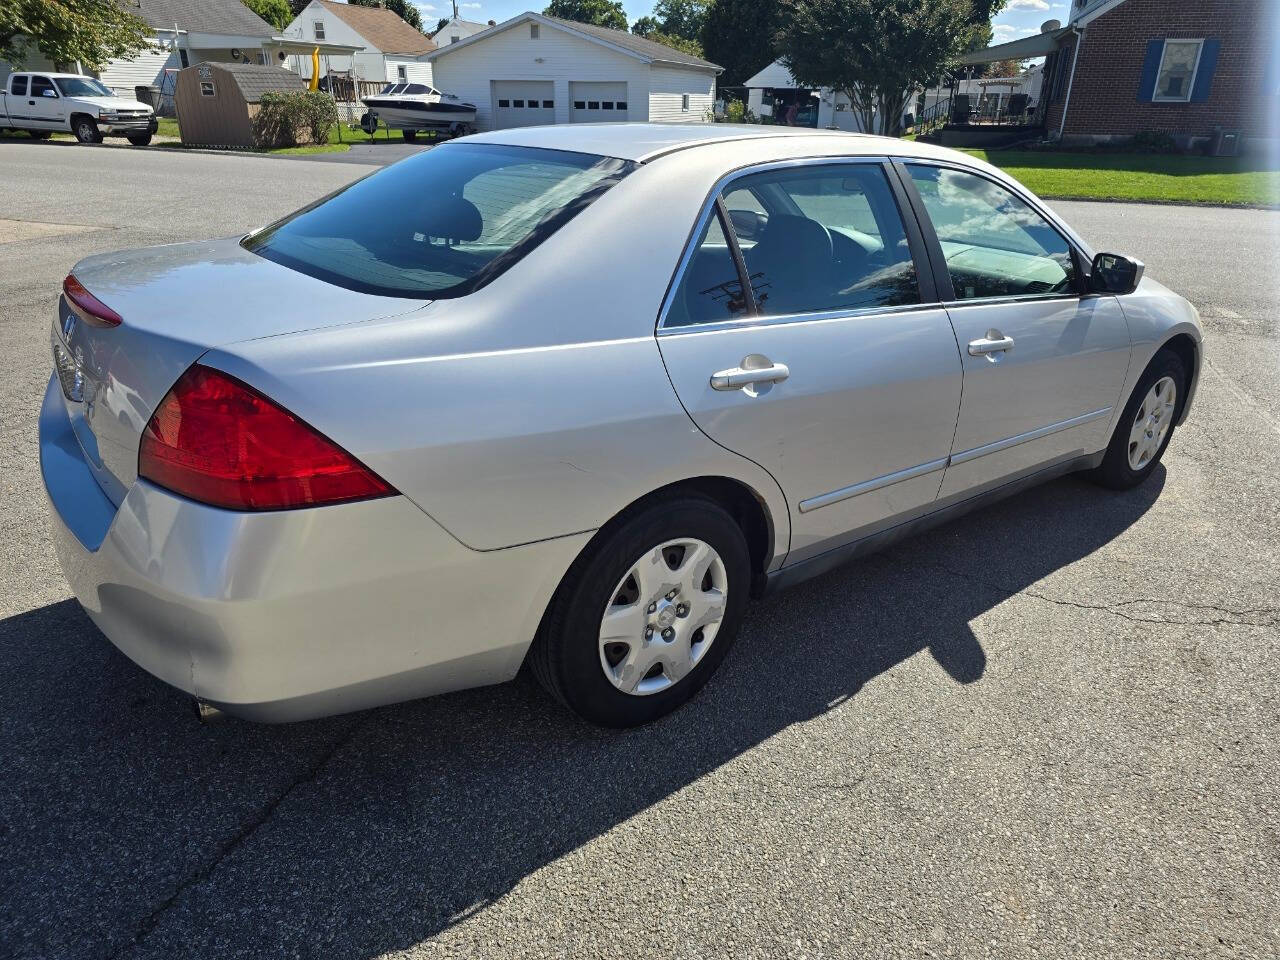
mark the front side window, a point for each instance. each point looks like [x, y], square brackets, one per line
[42, 87]
[1177, 72]
[994, 243]
[710, 290]
[822, 238]
[486, 207]
[18, 87]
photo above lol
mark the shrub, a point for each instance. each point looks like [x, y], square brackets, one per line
[1151, 141]
[283, 118]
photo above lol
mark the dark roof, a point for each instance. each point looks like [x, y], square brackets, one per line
[254, 79]
[201, 16]
[383, 29]
[636, 44]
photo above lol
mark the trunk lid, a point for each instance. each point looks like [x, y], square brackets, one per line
[177, 302]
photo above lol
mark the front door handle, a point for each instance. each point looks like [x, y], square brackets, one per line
[755, 369]
[993, 342]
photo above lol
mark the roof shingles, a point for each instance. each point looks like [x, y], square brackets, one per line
[384, 30]
[229, 17]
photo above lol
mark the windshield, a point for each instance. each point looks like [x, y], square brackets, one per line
[439, 224]
[81, 87]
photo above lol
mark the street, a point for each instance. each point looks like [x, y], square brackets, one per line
[1047, 728]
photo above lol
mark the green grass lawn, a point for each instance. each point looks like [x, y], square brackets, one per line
[1138, 176]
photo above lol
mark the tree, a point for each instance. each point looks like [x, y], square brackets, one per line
[691, 47]
[441, 24]
[65, 31]
[402, 8]
[1004, 68]
[601, 13]
[739, 35]
[875, 52]
[681, 18]
[645, 26]
[275, 12]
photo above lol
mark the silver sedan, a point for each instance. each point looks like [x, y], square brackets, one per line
[569, 396]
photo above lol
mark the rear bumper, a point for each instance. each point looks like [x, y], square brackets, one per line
[292, 614]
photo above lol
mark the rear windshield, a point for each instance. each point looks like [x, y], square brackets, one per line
[439, 224]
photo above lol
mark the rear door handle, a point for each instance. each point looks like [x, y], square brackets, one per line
[993, 342]
[754, 369]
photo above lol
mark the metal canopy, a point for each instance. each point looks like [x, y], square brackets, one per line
[1040, 45]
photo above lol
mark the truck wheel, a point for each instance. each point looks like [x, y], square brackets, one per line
[409, 135]
[85, 129]
[139, 139]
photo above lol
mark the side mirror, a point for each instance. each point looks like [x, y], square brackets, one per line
[1112, 273]
[48, 93]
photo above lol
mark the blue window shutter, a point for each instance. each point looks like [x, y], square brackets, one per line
[1150, 67]
[1204, 75]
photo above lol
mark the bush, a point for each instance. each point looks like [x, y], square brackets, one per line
[1151, 141]
[283, 119]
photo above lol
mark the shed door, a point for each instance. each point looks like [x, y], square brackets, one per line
[597, 102]
[523, 103]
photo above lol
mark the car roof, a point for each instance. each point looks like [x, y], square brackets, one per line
[645, 141]
[54, 74]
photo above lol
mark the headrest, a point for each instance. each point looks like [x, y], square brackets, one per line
[800, 238]
[453, 218]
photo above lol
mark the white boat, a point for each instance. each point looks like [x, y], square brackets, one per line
[411, 107]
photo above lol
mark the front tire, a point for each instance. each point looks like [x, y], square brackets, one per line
[86, 129]
[139, 139]
[646, 614]
[1145, 428]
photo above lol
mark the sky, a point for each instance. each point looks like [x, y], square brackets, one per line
[1019, 18]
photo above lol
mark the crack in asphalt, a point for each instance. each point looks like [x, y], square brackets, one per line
[247, 830]
[1270, 616]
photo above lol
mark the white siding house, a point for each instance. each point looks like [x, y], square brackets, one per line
[458, 29]
[537, 69]
[393, 50]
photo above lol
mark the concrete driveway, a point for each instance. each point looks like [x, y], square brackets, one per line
[1049, 728]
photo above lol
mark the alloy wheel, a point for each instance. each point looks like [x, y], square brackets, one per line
[1152, 422]
[663, 616]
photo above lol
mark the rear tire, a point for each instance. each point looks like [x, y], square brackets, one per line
[86, 129]
[409, 135]
[139, 139]
[1146, 426]
[669, 644]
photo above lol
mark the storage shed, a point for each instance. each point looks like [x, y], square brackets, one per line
[216, 102]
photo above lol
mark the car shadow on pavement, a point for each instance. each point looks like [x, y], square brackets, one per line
[125, 827]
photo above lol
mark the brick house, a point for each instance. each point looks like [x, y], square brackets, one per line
[1192, 69]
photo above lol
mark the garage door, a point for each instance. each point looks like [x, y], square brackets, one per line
[597, 102]
[523, 103]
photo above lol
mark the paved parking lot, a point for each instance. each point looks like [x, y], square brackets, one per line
[1049, 728]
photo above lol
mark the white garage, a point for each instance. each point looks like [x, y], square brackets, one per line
[535, 69]
[523, 103]
[596, 102]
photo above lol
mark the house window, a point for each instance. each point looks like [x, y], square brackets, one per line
[206, 88]
[183, 58]
[504, 103]
[622, 104]
[401, 73]
[579, 104]
[593, 104]
[1177, 74]
[684, 102]
[533, 31]
[318, 27]
[454, 38]
[548, 104]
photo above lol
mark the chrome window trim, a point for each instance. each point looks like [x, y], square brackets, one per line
[933, 466]
[825, 316]
[708, 209]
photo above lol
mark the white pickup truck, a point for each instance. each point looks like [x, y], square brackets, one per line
[42, 103]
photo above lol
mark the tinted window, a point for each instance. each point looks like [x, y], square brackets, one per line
[822, 238]
[994, 243]
[441, 223]
[39, 85]
[19, 87]
[416, 88]
[709, 289]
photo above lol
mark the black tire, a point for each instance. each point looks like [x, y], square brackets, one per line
[86, 129]
[1115, 471]
[40, 134]
[409, 135]
[566, 656]
[139, 139]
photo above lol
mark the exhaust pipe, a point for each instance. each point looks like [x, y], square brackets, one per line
[207, 713]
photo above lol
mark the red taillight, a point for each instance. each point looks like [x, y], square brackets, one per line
[219, 441]
[88, 307]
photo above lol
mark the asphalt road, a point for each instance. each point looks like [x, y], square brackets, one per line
[1048, 729]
